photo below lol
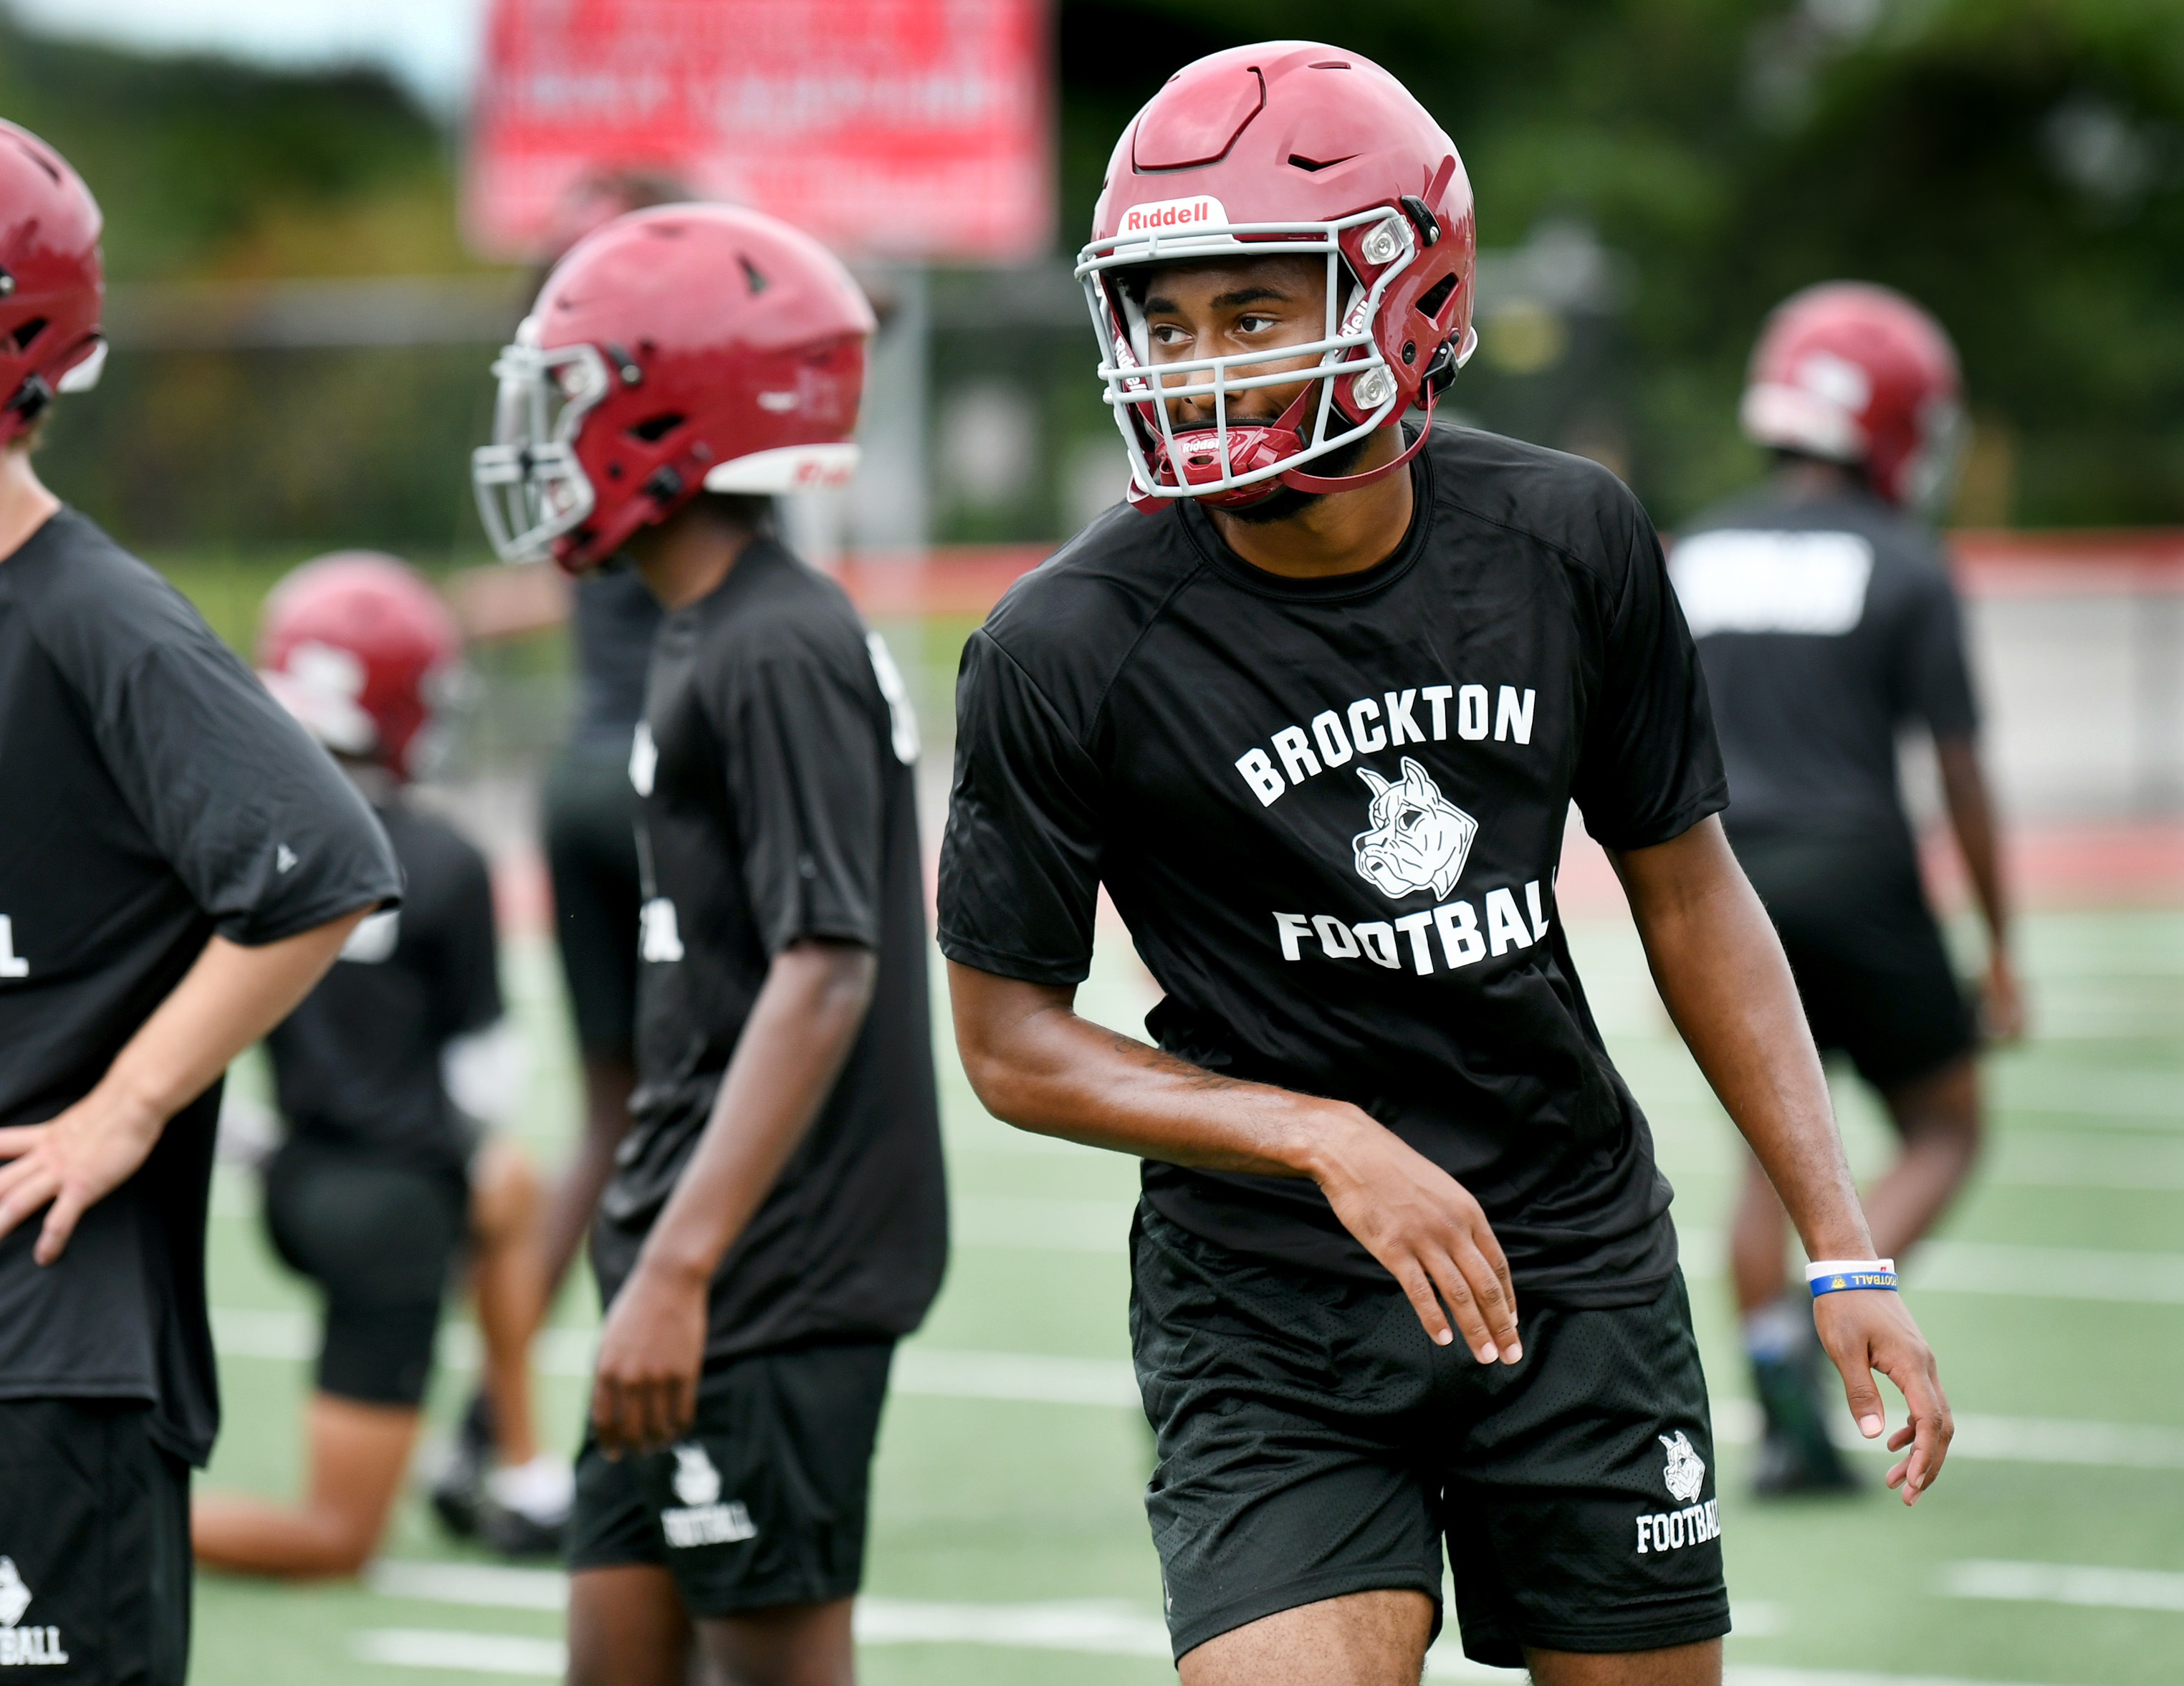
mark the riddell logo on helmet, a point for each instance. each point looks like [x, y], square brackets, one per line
[1166, 213]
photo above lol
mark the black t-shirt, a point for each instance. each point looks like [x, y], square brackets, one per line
[775, 770]
[357, 1064]
[1823, 624]
[1330, 813]
[615, 619]
[158, 796]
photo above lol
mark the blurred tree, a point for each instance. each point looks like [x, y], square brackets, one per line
[2016, 164]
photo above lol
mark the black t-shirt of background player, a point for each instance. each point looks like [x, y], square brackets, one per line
[1330, 813]
[156, 796]
[1825, 626]
[613, 618]
[776, 774]
[357, 1066]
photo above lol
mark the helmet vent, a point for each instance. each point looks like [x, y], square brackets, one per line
[1303, 163]
[655, 428]
[1330, 64]
[26, 332]
[754, 277]
[1430, 302]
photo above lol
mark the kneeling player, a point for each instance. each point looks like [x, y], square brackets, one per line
[178, 865]
[1826, 623]
[776, 1218]
[1403, 1271]
[383, 1074]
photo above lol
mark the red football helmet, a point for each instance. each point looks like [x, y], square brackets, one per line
[51, 285]
[1858, 374]
[679, 349]
[364, 652]
[1288, 147]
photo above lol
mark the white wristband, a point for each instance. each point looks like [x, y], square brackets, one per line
[1828, 1267]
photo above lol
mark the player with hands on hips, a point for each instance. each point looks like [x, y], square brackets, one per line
[179, 863]
[1312, 707]
[1826, 623]
[776, 1218]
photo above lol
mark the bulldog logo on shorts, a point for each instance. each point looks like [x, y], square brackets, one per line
[1419, 838]
[1686, 1471]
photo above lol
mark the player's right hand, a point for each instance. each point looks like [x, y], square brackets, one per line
[1430, 1234]
[71, 1163]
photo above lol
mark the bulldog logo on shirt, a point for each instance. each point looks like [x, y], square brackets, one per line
[1419, 838]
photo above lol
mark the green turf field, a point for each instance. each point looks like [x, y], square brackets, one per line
[1009, 1545]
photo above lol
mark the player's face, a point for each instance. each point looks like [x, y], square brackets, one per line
[1231, 309]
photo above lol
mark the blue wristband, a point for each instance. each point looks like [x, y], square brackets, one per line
[1837, 1276]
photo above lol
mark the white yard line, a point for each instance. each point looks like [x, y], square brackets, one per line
[1086, 1625]
[2063, 1583]
[467, 1653]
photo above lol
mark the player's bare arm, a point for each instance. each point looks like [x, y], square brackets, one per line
[231, 997]
[1036, 1065]
[1719, 967]
[801, 1026]
[1971, 817]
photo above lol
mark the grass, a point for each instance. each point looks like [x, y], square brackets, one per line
[998, 1502]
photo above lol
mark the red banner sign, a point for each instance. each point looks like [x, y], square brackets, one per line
[888, 128]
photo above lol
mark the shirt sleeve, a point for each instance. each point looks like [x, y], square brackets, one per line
[802, 749]
[254, 818]
[466, 975]
[1650, 768]
[1020, 863]
[1935, 680]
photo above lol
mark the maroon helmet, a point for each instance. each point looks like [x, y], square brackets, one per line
[1285, 147]
[674, 350]
[363, 652]
[1858, 374]
[51, 286]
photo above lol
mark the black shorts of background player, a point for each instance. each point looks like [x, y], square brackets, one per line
[181, 863]
[1827, 625]
[385, 1074]
[776, 1219]
[1318, 736]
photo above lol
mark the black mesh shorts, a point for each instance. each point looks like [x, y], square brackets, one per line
[1313, 1443]
[763, 1502]
[380, 1239]
[94, 1546]
[591, 856]
[1870, 964]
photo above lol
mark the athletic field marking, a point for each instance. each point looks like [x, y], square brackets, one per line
[2025, 1272]
[1043, 1378]
[1999, 1439]
[487, 1585]
[469, 1652]
[937, 1373]
[1083, 1626]
[2063, 1583]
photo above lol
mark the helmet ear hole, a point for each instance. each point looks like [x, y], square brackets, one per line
[26, 332]
[1435, 297]
[655, 428]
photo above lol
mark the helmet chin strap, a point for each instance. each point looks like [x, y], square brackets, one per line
[1298, 479]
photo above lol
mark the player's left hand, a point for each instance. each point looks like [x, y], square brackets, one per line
[644, 1391]
[1866, 1330]
[2002, 1004]
[70, 1163]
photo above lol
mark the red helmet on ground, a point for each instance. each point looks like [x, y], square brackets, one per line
[363, 652]
[51, 286]
[682, 348]
[1858, 374]
[1286, 147]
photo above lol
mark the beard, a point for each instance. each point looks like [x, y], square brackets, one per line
[1286, 502]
